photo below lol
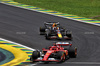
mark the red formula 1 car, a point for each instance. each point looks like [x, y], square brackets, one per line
[59, 52]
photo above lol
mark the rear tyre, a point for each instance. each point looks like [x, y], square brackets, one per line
[61, 56]
[72, 52]
[69, 34]
[47, 37]
[42, 30]
[47, 34]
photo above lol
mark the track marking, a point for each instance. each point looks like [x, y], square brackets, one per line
[18, 45]
[83, 21]
[82, 63]
[18, 58]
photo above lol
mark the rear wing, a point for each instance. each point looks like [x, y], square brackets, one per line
[63, 43]
[50, 23]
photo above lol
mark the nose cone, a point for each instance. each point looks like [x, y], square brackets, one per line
[59, 35]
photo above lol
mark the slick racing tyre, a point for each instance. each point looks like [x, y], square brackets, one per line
[42, 30]
[69, 33]
[47, 35]
[35, 55]
[61, 56]
[72, 52]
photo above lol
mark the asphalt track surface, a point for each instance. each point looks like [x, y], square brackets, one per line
[22, 26]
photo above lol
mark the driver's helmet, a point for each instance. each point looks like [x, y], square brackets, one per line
[58, 28]
[54, 25]
[54, 44]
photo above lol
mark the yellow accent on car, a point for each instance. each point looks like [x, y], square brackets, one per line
[59, 35]
[47, 54]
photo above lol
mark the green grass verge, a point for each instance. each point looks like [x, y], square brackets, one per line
[84, 8]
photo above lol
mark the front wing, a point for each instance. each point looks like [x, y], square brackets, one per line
[49, 59]
[56, 37]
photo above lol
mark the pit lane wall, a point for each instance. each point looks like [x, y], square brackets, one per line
[21, 53]
[50, 12]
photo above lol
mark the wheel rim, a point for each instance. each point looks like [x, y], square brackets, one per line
[63, 57]
[75, 51]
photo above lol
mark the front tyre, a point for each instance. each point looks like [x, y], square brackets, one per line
[42, 30]
[35, 55]
[61, 56]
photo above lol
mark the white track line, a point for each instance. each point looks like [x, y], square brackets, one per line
[17, 44]
[51, 14]
[82, 63]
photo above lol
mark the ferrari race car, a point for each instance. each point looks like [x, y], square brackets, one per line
[59, 52]
[56, 32]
